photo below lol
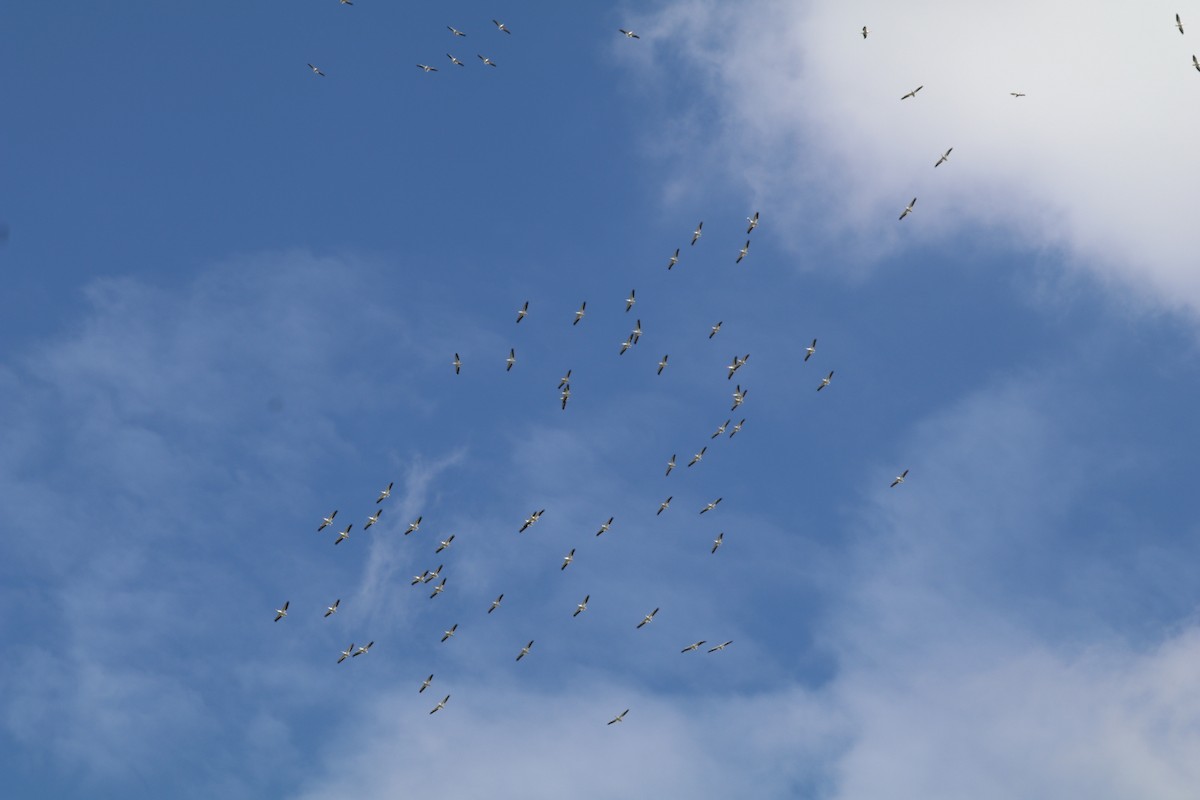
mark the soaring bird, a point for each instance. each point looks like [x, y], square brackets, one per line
[674, 259]
[579, 314]
[1196, 63]
[721, 429]
[385, 493]
[636, 333]
[441, 705]
[908, 208]
[566, 395]
[531, 519]
[433, 576]
[825, 381]
[414, 526]
[604, 528]
[280, 613]
[629, 34]
[742, 253]
[441, 587]
[343, 534]
[523, 311]
[442, 545]
[525, 650]
[913, 93]
[424, 684]
[486, 60]
[900, 478]
[427, 68]
[316, 71]
[710, 506]
[512, 359]
[693, 646]
[808, 351]
[865, 31]
[346, 653]
[1017, 94]
[579, 609]
[327, 521]
[501, 26]
[736, 428]
[629, 301]
[696, 234]
[737, 364]
[753, 222]
[696, 459]
[496, 603]
[739, 397]
[456, 31]
[720, 646]
[945, 156]
[713, 330]
[664, 505]
[671, 464]
[567, 559]
[565, 380]
[419, 578]
[717, 542]
[625, 345]
[457, 362]
[1179, 24]
[648, 618]
[455, 60]
[619, 717]
[331, 610]
[449, 633]
[663, 364]
[362, 650]
[371, 520]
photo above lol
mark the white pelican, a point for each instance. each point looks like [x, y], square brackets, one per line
[674, 259]
[696, 459]
[523, 311]
[629, 301]
[567, 559]
[419, 578]
[1196, 63]
[441, 705]
[753, 222]
[908, 208]
[648, 618]
[710, 506]
[696, 234]
[721, 429]
[625, 345]
[739, 397]
[371, 520]
[363, 649]
[441, 587]
[385, 493]
[742, 253]
[347, 2]
[737, 364]
[414, 526]
[808, 351]
[344, 534]
[346, 653]
[713, 330]
[579, 314]
[717, 542]
[455, 60]
[913, 93]
[457, 362]
[671, 464]
[663, 364]
[496, 603]
[280, 613]
[427, 68]
[604, 528]
[579, 609]
[566, 395]
[900, 478]
[456, 31]
[525, 650]
[449, 633]
[424, 684]
[1017, 94]
[865, 31]
[500, 25]
[532, 518]
[330, 610]
[327, 521]
[737, 428]
[629, 34]
[316, 71]
[565, 380]
[825, 381]
[619, 717]
[664, 505]
[636, 333]
[433, 576]
[442, 545]
[720, 646]
[486, 60]
[942, 160]
[693, 646]
[512, 359]
[1179, 24]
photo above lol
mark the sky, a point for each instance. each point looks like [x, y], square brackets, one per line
[236, 289]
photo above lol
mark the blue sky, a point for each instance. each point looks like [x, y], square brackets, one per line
[235, 290]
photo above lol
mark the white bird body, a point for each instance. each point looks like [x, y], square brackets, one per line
[908, 208]
[900, 478]
[942, 160]
[619, 717]
[346, 653]
[525, 650]
[664, 505]
[579, 609]
[717, 542]
[696, 234]
[331, 610]
[327, 521]
[646, 620]
[441, 705]
[913, 93]
[693, 646]
[280, 613]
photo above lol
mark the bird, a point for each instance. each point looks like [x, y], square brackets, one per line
[753, 222]
[442, 545]
[1179, 24]
[440, 705]
[525, 650]
[345, 534]
[865, 31]
[280, 613]
[664, 505]
[693, 646]
[523, 311]
[648, 618]
[455, 60]
[1196, 63]
[565, 380]
[604, 528]
[419, 578]
[327, 521]
[441, 587]
[721, 429]
[347, 2]
[384, 494]
[696, 234]
[424, 684]
[567, 559]
[908, 208]
[346, 653]
[486, 60]
[619, 717]
[671, 465]
[945, 156]
[371, 520]
[710, 506]
[512, 359]
[900, 478]
[717, 542]
[674, 259]
[331, 610]
[427, 68]
[636, 333]
[825, 381]
[739, 397]
[742, 253]
[316, 71]
[566, 395]
[714, 329]
[736, 365]
[720, 646]
[457, 362]
[736, 428]
[414, 526]
[496, 603]
[629, 301]
[363, 649]
[433, 576]
[579, 314]
[698, 457]
[913, 93]
[501, 26]
[579, 609]
[629, 34]
[663, 364]
[808, 351]
[625, 345]
[1017, 94]
[456, 31]
[531, 519]
[449, 633]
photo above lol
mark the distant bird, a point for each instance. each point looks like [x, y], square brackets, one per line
[531, 519]
[696, 459]
[496, 603]
[566, 395]
[619, 717]
[455, 31]
[942, 160]
[433, 576]
[414, 526]
[1196, 63]
[442, 545]
[908, 208]
[385, 493]
[636, 333]
[625, 345]
[362, 650]
[567, 559]
[427, 68]
[523, 311]
[693, 646]
[280, 613]
[525, 650]
[737, 364]
[713, 330]
[330, 610]
[674, 259]
[663, 506]
[671, 465]
[753, 222]
[327, 521]
[501, 26]
[347, 2]
[579, 609]
[424, 684]
[629, 301]
[663, 364]
[721, 429]
[371, 520]
[565, 380]
[579, 314]
[736, 428]
[1017, 94]
[865, 31]
[419, 578]
[1179, 24]
[900, 478]
[486, 60]
[449, 633]
[710, 506]
[825, 381]
[457, 362]
[346, 653]
[441, 705]
[739, 397]
[455, 60]
[343, 534]
[742, 253]
[441, 587]
[604, 528]
[808, 351]
[913, 93]
[696, 234]
[646, 620]
[512, 359]
[720, 646]
[629, 34]
[717, 542]
[316, 71]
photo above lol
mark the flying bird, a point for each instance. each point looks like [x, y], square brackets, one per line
[345, 534]
[331, 610]
[433, 576]
[441, 705]
[579, 314]
[717, 542]
[414, 526]
[384, 494]
[1017, 94]
[721, 429]
[512, 359]
[742, 253]
[441, 587]
[808, 351]
[900, 478]
[671, 465]
[424, 684]
[736, 428]
[525, 650]
[1196, 63]
[531, 519]
[486, 60]
[908, 208]
[419, 578]
[942, 160]
[523, 311]
[664, 505]
[496, 603]
[646, 620]
[636, 333]
[566, 395]
[629, 301]
[913, 93]
[442, 545]
[604, 528]
[753, 222]
[663, 364]
[674, 259]
[696, 234]
[362, 650]
[825, 381]
[455, 31]
[625, 345]
[865, 31]
[457, 362]
[565, 380]
[567, 559]
[427, 68]
[455, 60]
[280, 613]
[619, 717]
[449, 633]
[720, 646]
[693, 646]
[327, 521]
[1179, 24]
[501, 26]
[739, 397]
[346, 653]
[710, 506]
[579, 609]
[371, 520]
[316, 71]
[629, 34]
[713, 330]
[698, 457]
